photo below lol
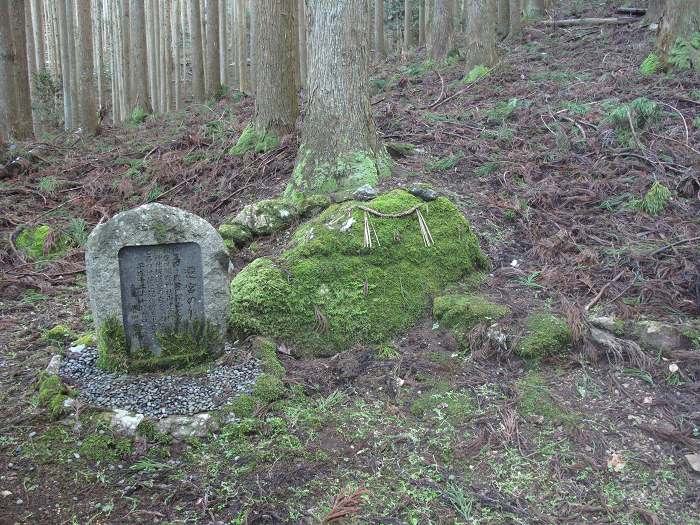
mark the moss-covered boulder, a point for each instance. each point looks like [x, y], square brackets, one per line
[462, 312]
[331, 289]
[546, 335]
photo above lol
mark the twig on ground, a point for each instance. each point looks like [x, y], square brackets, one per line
[602, 291]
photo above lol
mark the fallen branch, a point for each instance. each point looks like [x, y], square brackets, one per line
[682, 241]
[602, 291]
[634, 11]
[591, 21]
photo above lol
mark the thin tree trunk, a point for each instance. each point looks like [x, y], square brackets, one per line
[213, 67]
[379, 42]
[514, 19]
[151, 54]
[252, 28]
[223, 45]
[243, 74]
[160, 58]
[72, 49]
[407, 27]
[88, 109]
[38, 32]
[421, 23]
[99, 57]
[175, 49]
[138, 60]
[66, 68]
[481, 34]
[7, 81]
[197, 52]
[535, 8]
[301, 21]
[340, 150]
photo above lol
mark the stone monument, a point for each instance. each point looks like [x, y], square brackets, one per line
[158, 285]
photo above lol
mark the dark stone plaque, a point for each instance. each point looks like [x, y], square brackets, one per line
[162, 291]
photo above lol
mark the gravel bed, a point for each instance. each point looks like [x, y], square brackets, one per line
[156, 395]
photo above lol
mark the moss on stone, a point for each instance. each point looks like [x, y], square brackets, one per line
[112, 348]
[349, 172]
[178, 349]
[268, 388]
[328, 291]
[35, 243]
[52, 394]
[400, 149]
[265, 350]
[243, 406]
[59, 333]
[546, 335]
[313, 205]
[234, 235]
[147, 429]
[256, 141]
[462, 312]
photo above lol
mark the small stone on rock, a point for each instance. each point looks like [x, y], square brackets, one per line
[365, 193]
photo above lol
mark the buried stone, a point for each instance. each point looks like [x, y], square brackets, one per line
[157, 282]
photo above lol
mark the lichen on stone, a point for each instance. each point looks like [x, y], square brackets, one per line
[329, 290]
[546, 335]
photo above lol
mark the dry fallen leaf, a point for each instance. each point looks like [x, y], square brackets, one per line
[615, 462]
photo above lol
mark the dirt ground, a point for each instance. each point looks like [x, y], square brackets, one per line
[426, 434]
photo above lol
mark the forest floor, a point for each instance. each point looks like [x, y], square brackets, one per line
[531, 157]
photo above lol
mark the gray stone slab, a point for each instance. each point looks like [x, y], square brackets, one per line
[157, 267]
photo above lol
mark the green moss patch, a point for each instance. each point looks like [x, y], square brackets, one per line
[348, 172]
[52, 394]
[59, 333]
[40, 242]
[443, 402]
[265, 350]
[252, 140]
[462, 312]
[330, 290]
[546, 335]
[268, 388]
[105, 448]
[178, 349]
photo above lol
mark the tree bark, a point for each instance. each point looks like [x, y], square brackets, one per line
[223, 45]
[242, 54]
[481, 34]
[379, 41]
[301, 21]
[88, 108]
[175, 49]
[503, 23]
[514, 18]
[680, 20]
[197, 52]
[655, 9]
[340, 150]
[276, 107]
[213, 68]
[441, 39]
[73, 52]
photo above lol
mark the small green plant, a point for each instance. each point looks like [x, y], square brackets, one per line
[696, 122]
[486, 169]
[388, 352]
[575, 107]
[154, 193]
[641, 112]
[48, 184]
[685, 54]
[650, 65]
[502, 111]
[77, 231]
[446, 163]
[530, 281]
[462, 503]
[138, 116]
[476, 73]
[656, 199]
